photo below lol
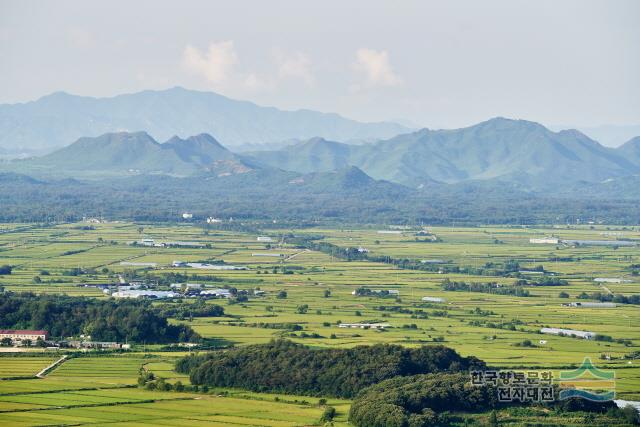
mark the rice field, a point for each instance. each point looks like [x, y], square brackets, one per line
[470, 322]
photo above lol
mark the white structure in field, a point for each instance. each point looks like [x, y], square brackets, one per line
[546, 240]
[264, 239]
[186, 285]
[568, 332]
[389, 232]
[365, 325]
[187, 215]
[267, 254]
[608, 280]
[144, 294]
[591, 304]
[379, 291]
[433, 299]
[139, 264]
[213, 220]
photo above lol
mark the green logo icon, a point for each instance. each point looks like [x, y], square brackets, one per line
[588, 382]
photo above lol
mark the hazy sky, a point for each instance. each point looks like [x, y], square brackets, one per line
[437, 64]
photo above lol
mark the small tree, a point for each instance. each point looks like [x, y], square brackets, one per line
[328, 415]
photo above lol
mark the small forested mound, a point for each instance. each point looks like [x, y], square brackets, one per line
[285, 367]
[104, 320]
[426, 400]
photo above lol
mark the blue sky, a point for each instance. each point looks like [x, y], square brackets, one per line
[435, 64]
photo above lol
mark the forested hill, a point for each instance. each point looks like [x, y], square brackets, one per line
[285, 367]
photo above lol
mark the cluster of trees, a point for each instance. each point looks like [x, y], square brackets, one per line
[180, 311]
[427, 400]
[543, 281]
[617, 298]
[285, 367]
[105, 320]
[491, 288]
[366, 292]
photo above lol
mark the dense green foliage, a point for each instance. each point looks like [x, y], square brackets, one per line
[491, 288]
[345, 196]
[423, 400]
[110, 320]
[286, 367]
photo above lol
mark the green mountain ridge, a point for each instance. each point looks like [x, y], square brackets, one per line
[492, 149]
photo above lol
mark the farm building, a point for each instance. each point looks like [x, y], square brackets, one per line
[389, 232]
[213, 220]
[608, 280]
[546, 240]
[568, 332]
[139, 264]
[267, 254]
[433, 299]
[203, 266]
[23, 334]
[144, 294]
[222, 293]
[365, 325]
[379, 291]
[264, 239]
[187, 215]
[591, 304]
[186, 285]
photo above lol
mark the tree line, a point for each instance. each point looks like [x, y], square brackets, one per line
[105, 320]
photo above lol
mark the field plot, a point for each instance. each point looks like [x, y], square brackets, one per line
[23, 366]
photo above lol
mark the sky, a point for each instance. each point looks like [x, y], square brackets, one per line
[424, 63]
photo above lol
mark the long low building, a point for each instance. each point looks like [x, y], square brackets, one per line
[145, 294]
[433, 299]
[591, 304]
[365, 325]
[569, 332]
[23, 334]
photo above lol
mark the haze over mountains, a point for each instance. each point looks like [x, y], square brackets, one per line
[512, 150]
[499, 150]
[58, 119]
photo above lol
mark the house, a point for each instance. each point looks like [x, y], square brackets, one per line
[363, 250]
[433, 299]
[365, 325]
[146, 242]
[264, 239]
[23, 334]
[568, 332]
[178, 264]
[213, 220]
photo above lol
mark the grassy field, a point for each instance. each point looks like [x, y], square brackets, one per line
[473, 323]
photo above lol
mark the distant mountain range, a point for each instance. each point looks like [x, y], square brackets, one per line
[58, 119]
[523, 154]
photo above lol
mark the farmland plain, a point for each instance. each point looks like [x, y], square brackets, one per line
[93, 389]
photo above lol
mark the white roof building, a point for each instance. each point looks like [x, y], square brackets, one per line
[568, 332]
[433, 299]
[365, 325]
[144, 294]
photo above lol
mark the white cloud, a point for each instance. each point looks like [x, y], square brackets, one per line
[216, 64]
[296, 66]
[375, 66]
